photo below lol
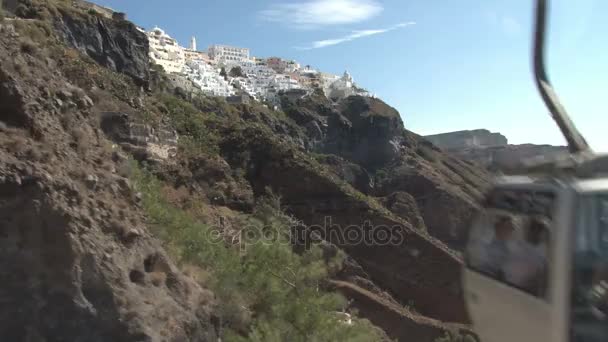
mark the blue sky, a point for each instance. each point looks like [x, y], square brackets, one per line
[444, 64]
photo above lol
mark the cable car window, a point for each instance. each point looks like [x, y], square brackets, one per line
[589, 314]
[589, 287]
[510, 240]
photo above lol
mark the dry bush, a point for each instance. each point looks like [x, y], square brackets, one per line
[28, 46]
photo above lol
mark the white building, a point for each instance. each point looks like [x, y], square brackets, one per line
[165, 51]
[193, 55]
[258, 71]
[208, 79]
[326, 80]
[284, 82]
[344, 82]
[342, 87]
[261, 78]
[229, 54]
[292, 66]
[247, 85]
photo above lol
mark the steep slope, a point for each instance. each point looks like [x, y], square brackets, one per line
[422, 269]
[77, 262]
[371, 134]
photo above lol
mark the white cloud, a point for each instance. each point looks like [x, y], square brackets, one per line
[318, 13]
[354, 35]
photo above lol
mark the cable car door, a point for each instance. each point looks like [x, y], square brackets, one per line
[508, 263]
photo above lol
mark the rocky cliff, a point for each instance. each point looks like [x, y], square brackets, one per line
[111, 177]
[492, 150]
[467, 139]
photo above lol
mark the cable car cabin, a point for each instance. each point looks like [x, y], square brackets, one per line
[537, 262]
[536, 266]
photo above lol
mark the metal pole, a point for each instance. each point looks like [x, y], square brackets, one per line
[576, 142]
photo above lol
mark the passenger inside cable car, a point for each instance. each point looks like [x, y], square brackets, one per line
[526, 269]
[510, 241]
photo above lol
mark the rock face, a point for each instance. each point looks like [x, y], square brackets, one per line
[368, 132]
[76, 260]
[362, 130]
[141, 140]
[467, 139]
[352, 173]
[491, 150]
[70, 275]
[115, 44]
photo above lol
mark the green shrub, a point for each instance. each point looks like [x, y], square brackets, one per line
[236, 71]
[191, 125]
[266, 291]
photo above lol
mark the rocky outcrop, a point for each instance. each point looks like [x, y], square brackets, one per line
[115, 44]
[467, 139]
[141, 140]
[362, 130]
[368, 132]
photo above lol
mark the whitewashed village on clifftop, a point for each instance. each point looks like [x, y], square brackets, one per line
[233, 73]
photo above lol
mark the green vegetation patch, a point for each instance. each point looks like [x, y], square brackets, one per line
[193, 126]
[266, 291]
